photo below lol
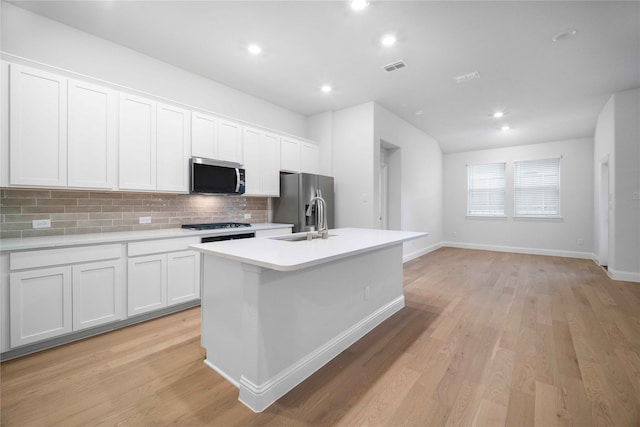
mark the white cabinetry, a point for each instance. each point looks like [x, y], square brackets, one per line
[162, 273]
[204, 136]
[91, 136]
[173, 147]
[137, 143]
[299, 156]
[290, 155]
[62, 131]
[309, 158]
[97, 293]
[38, 128]
[40, 304]
[57, 291]
[261, 162]
[229, 141]
[154, 143]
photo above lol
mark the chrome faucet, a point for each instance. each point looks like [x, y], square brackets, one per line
[322, 225]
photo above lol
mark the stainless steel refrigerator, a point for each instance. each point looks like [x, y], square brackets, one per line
[296, 191]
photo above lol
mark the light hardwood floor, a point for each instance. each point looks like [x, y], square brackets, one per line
[486, 339]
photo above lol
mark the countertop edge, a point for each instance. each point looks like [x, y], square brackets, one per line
[61, 241]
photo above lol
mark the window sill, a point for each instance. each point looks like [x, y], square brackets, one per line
[538, 218]
[487, 217]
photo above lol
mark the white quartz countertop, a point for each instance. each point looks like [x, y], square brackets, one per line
[284, 255]
[125, 236]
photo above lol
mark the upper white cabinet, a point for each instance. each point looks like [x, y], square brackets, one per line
[204, 136]
[154, 142]
[309, 158]
[173, 147]
[290, 155]
[299, 156]
[38, 128]
[91, 136]
[137, 143]
[261, 162]
[229, 141]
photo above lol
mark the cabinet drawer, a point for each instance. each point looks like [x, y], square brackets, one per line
[160, 246]
[50, 257]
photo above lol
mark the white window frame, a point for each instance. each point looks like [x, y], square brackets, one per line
[476, 186]
[547, 172]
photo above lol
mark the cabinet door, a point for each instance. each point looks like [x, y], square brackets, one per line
[204, 136]
[91, 136]
[40, 304]
[173, 138]
[183, 276]
[137, 143]
[97, 294]
[252, 162]
[309, 158]
[290, 155]
[147, 284]
[270, 159]
[38, 128]
[229, 142]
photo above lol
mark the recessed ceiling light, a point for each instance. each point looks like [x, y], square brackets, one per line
[498, 114]
[254, 49]
[359, 4]
[564, 35]
[505, 128]
[326, 88]
[388, 40]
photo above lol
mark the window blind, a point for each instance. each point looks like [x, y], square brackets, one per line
[537, 188]
[486, 189]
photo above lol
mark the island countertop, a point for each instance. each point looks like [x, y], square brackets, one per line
[282, 255]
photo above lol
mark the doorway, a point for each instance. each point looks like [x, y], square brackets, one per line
[603, 209]
[389, 187]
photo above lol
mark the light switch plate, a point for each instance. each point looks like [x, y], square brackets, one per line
[41, 223]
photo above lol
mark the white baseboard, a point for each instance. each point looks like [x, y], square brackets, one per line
[222, 373]
[420, 252]
[625, 276]
[519, 250]
[259, 396]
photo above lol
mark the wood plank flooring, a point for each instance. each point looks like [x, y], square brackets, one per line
[485, 339]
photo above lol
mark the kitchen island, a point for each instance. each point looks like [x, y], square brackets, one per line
[274, 311]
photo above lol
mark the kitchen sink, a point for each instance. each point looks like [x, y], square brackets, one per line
[299, 237]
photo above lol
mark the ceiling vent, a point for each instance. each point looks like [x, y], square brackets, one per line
[465, 77]
[394, 66]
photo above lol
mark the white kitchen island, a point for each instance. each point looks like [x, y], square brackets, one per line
[275, 311]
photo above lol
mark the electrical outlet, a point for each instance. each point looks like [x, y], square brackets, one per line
[636, 195]
[41, 223]
[367, 292]
[247, 216]
[145, 220]
[580, 242]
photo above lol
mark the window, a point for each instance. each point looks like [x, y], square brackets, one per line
[486, 189]
[537, 188]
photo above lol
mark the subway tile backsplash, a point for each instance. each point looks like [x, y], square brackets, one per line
[78, 212]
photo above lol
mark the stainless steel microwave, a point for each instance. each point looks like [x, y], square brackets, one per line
[215, 177]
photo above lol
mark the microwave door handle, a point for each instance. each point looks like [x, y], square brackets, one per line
[237, 180]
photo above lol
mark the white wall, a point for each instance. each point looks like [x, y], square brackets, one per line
[43, 40]
[544, 236]
[626, 263]
[420, 166]
[352, 159]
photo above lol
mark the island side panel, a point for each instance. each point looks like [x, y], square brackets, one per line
[222, 306]
[295, 322]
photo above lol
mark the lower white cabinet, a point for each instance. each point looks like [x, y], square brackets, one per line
[161, 280]
[97, 294]
[40, 304]
[147, 284]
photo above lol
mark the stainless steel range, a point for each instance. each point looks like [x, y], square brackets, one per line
[221, 226]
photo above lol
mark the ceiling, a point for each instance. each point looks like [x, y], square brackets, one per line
[549, 90]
